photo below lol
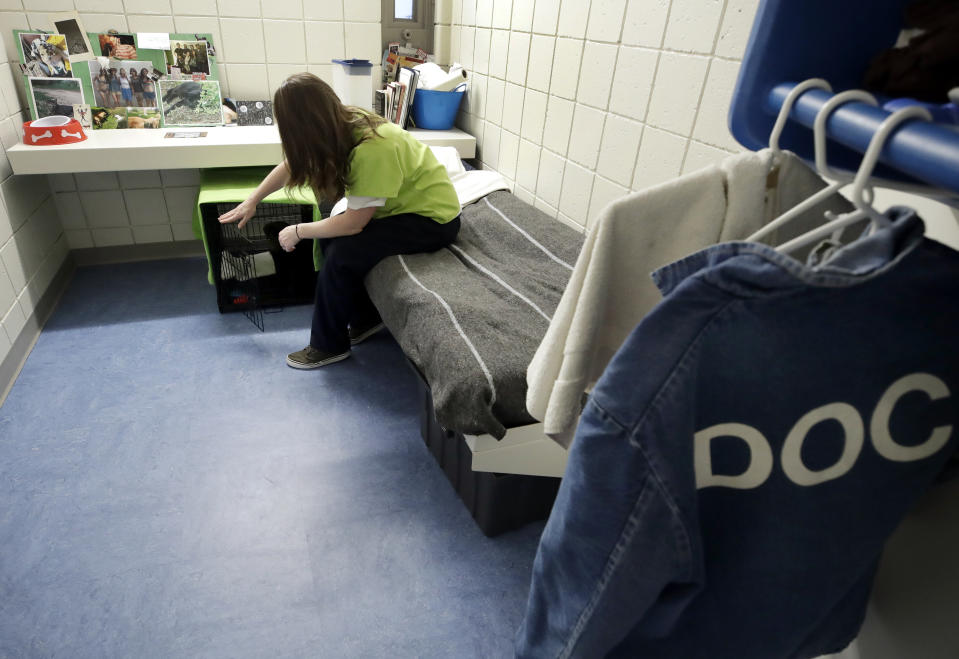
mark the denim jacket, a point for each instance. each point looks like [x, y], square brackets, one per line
[747, 452]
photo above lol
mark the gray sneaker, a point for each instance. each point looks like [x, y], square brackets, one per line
[310, 357]
[361, 334]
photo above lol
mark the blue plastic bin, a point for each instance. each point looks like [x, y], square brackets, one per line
[437, 110]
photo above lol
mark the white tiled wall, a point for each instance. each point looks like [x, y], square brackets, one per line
[125, 208]
[32, 243]
[581, 101]
[260, 43]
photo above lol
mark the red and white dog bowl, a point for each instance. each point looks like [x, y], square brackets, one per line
[52, 130]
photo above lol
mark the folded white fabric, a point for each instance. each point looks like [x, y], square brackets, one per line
[476, 184]
[449, 157]
[610, 289]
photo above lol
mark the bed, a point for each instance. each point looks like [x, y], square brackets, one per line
[471, 316]
[469, 319]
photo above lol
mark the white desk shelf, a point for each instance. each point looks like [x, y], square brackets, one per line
[464, 142]
[124, 150]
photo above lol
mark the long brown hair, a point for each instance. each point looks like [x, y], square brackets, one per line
[317, 132]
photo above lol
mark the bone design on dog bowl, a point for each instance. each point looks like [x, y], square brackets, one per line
[52, 130]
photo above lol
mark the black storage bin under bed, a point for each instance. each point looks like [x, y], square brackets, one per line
[497, 502]
[234, 253]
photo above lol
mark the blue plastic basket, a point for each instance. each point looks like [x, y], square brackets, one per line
[437, 110]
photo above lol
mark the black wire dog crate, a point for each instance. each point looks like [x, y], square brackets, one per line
[250, 269]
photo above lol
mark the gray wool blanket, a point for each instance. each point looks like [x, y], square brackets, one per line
[470, 316]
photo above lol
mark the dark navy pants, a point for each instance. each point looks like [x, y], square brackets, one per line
[341, 297]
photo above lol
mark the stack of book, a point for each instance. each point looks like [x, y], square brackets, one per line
[395, 102]
[397, 56]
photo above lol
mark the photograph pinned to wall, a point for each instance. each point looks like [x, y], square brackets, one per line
[82, 113]
[123, 84]
[107, 118]
[70, 26]
[45, 55]
[254, 113]
[55, 96]
[209, 46]
[117, 46]
[142, 118]
[190, 102]
[189, 57]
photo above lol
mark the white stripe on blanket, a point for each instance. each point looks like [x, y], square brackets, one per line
[498, 280]
[459, 328]
[530, 238]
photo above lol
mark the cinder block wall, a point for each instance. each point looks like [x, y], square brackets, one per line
[579, 101]
[33, 246]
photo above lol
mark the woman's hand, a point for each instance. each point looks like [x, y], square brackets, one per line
[243, 213]
[289, 238]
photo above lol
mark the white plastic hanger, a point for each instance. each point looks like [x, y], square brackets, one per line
[819, 140]
[864, 209]
[822, 166]
[790, 100]
[819, 128]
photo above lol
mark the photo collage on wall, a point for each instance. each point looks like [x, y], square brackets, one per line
[111, 80]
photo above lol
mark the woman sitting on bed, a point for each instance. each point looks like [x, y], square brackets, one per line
[399, 201]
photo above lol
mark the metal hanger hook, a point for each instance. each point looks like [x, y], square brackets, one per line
[819, 127]
[794, 93]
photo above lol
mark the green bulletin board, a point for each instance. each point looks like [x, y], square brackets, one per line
[81, 70]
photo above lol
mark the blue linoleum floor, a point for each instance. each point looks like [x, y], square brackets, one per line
[170, 488]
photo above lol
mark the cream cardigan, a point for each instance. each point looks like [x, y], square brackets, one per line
[610, 289]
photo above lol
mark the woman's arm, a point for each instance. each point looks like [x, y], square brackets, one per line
[273, 182]
[349, 223]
